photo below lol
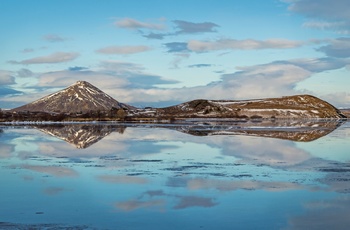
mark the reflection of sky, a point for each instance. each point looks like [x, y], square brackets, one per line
[166, 179]
[335, 146]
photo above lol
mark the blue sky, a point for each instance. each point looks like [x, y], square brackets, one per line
[159, 53]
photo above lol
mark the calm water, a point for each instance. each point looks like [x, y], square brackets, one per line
[207, 176]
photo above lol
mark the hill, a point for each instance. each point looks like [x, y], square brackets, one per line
[299, 106]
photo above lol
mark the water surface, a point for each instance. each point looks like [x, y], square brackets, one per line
[208, 175]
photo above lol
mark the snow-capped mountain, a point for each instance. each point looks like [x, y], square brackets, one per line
[79, 97]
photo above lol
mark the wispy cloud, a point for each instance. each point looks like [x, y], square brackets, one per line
[338, 48]
[324, 14]
[77, 68]
[123, 49]
[23, 73]
[132, 205]
[28, 50]
[175, 47]
[130, 23]
[199, 65]
[185, 27]
[247, 44]
[57, 57]
[152, 35]
[116, 179]
[53, 38]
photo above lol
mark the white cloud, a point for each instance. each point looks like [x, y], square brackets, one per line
[129, 23]
[123, 49]
[247, 44]
[57, 57]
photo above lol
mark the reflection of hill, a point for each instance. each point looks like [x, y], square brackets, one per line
[85, 135]
[304, 131]
[82, 136]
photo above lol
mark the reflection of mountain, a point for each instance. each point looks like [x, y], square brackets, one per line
[83, 135]
[294, 130]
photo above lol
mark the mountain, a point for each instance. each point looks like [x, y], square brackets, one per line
[79, 97]
[299, 106]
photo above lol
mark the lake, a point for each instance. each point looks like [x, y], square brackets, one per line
[199, 175]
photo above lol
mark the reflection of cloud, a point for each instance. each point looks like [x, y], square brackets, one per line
[136, 204]
[57, 171]
[53, 190]
[153, 193]
[183, 201]
[222, 185]
[6, 150]
[28, 178]
[194, 201]
[116, 179]
[338, 180]
[331, 214]
[265, 151]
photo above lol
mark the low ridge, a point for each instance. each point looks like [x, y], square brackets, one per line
[298, 106]
[79, 97]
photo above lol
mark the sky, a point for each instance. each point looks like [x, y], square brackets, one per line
[162, 52]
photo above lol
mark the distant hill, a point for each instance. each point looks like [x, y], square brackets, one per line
[299, 106]
[79, 97]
